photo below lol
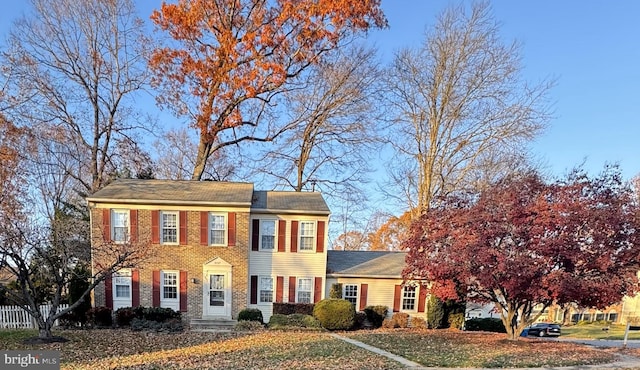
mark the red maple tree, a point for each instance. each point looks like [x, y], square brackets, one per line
[525, 243]
[228, 53]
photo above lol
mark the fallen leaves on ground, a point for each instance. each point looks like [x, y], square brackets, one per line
[123, 349]
[466, 349]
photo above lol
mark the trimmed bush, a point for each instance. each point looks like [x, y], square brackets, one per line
[291, 308]
[456, 320]
[419, 322]
[359, 320]
[169, 326]
[336, 291]
[485, 324]
[400, 320]
[296, 321]
[335, 314]
[376, 315]
[251, 314]
[160, 314]
[388, 324]
[435, 313]
[248, 325]
[125, 315]
[100, 317]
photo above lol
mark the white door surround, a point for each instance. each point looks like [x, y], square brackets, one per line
[216, 289]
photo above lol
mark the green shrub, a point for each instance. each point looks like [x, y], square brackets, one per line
[291, 308]
[248, 325]
[296, 320]
[169, 326]
[376, 315]
[250, 314]
[456, 320]
[359, 320]
[336, 291]
[100, 317]
[160, 314]
[125, 315]
[278, 320]
[335, 314]
[78, 284]
[435, 313]
[485, 324]
[418, 323]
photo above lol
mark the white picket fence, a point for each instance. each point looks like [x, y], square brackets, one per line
[14, 317]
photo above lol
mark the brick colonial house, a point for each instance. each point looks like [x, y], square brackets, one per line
[221, 246]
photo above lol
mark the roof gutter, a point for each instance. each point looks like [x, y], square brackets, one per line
[170, 202]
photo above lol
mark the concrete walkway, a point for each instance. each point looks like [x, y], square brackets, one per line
[623, 362]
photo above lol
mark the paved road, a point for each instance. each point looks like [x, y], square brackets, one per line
[600, 342]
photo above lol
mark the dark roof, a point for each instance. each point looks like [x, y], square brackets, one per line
[365, 263]
[289, 201]
[175, 192]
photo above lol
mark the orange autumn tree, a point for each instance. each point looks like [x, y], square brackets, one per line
[229, 57]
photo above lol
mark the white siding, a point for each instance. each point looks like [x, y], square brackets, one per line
[286, 264]
[379, 291]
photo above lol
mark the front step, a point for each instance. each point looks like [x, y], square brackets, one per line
[214, 324]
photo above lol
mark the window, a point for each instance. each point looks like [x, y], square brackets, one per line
[170, 285]
[217, 230]
[305, 288]
[169, 227]
[613, 317]
[120, 225]
[267, 234]
[265, 287]
[409, 298]
[307, 234]
[351, 293]
[122, 284]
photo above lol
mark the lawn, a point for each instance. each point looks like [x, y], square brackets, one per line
[124, 349]
[479, 349]
[594, 331]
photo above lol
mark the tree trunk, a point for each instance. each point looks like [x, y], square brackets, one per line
[45, 332]
[201, 160]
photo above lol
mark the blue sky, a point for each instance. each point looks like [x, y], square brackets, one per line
[591, 47]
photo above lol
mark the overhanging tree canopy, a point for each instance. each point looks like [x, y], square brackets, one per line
[525, 242]
[227, 53]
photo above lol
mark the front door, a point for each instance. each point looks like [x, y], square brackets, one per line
[217, 294]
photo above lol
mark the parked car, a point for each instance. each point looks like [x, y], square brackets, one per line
[544, 329]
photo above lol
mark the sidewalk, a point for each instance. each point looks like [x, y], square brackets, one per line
[623, 362]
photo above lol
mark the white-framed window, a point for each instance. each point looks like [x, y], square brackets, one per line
[120, 225]
[307, 235]
[265, 289]
[217, 229]
[267, 235]
[169, 285]
[169, 227]
[351, 293]
[122, 284]
[305, 290]
[408, 298]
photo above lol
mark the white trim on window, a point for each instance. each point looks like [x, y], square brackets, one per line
[122, 284]
[265, 289]
[170, 289]
[350, 293]
[409, 300]
[307, 236]
[268, 237]
[304, 290]
[218, 227]
[169, 227]
[120, 225]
